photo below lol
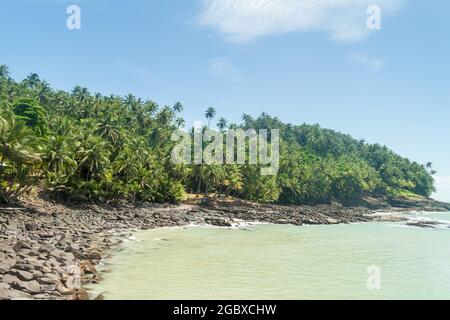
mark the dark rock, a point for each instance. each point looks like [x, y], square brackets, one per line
[22, 275]
[45, 235]
[31, 226]
[47, 280]
[423, 224]
[81, 294]
[100, 297]
[94, 255]
[21, 245]
[29, 286]
[218, 222]
[63, 290]
[24, 267]
[46, 248]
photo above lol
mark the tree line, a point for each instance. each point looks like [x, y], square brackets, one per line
[89, 147]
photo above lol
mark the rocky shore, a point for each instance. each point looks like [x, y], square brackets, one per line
[50, 251]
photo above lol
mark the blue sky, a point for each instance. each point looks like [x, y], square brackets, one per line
[300, 60]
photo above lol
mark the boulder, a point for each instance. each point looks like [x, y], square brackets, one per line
[6, 264]
[80, 294]
[423, 224]
[94, 255]
[332, 221]
[100, 297]
[24, 266]
[31, 226]
[11, 294]
[21, 245]
[46, 248]
[27, 286]
[49, 281]
[22, 275]
[218, 222]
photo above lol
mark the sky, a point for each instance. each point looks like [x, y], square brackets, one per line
[312, 61]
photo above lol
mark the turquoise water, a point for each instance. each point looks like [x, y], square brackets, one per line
[283, 262]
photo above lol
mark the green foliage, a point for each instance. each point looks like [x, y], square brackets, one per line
[18, 156]
[95, 148]
[34, 116]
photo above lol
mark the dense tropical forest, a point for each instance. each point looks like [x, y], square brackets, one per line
[82, 146]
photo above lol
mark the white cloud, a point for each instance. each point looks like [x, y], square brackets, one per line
[443, 188]
[223, 68]
[243, 20]
[376, 64]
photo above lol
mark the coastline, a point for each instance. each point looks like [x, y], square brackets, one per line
[46, 249]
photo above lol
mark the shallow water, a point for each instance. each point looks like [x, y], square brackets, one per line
[283, 262]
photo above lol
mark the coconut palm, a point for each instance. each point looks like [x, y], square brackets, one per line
[4, 72]
[222, 124]
[18, 157]
[32, 81]
[58, 156]
[93, 158]
[178, 107]
[210, 113]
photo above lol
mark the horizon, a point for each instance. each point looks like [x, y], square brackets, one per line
[387, 86]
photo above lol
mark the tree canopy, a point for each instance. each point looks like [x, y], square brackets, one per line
[87, 146]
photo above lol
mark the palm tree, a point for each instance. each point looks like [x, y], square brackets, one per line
[222, 124]
[178, 107]
[93, 158]
[18, 157]
[17, 141]
[210, 114]
[32, 81]
[4, 72]
[59, 156]
[44, 91]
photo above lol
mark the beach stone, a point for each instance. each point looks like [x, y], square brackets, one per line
[100, 297]
[5, 248]
[6, 264]
[22, 275]
[52, 262]
[43, 269]
[71, 247]
[49, 281]
[24, 266]
[29, 286]
[45, 248]
[21, 245]
[37, 274]
[63, 290]
[94, 255]
[218, 222]
[332, 221]
[48, 288]
[31, 227]
[12, 294]
[4, 286]
[423, 224]
[80, 295]
[9, 279]
[45, 235]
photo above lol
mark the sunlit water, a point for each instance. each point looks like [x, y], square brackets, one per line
[283, 262]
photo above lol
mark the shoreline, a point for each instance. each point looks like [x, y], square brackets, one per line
[50, 251]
